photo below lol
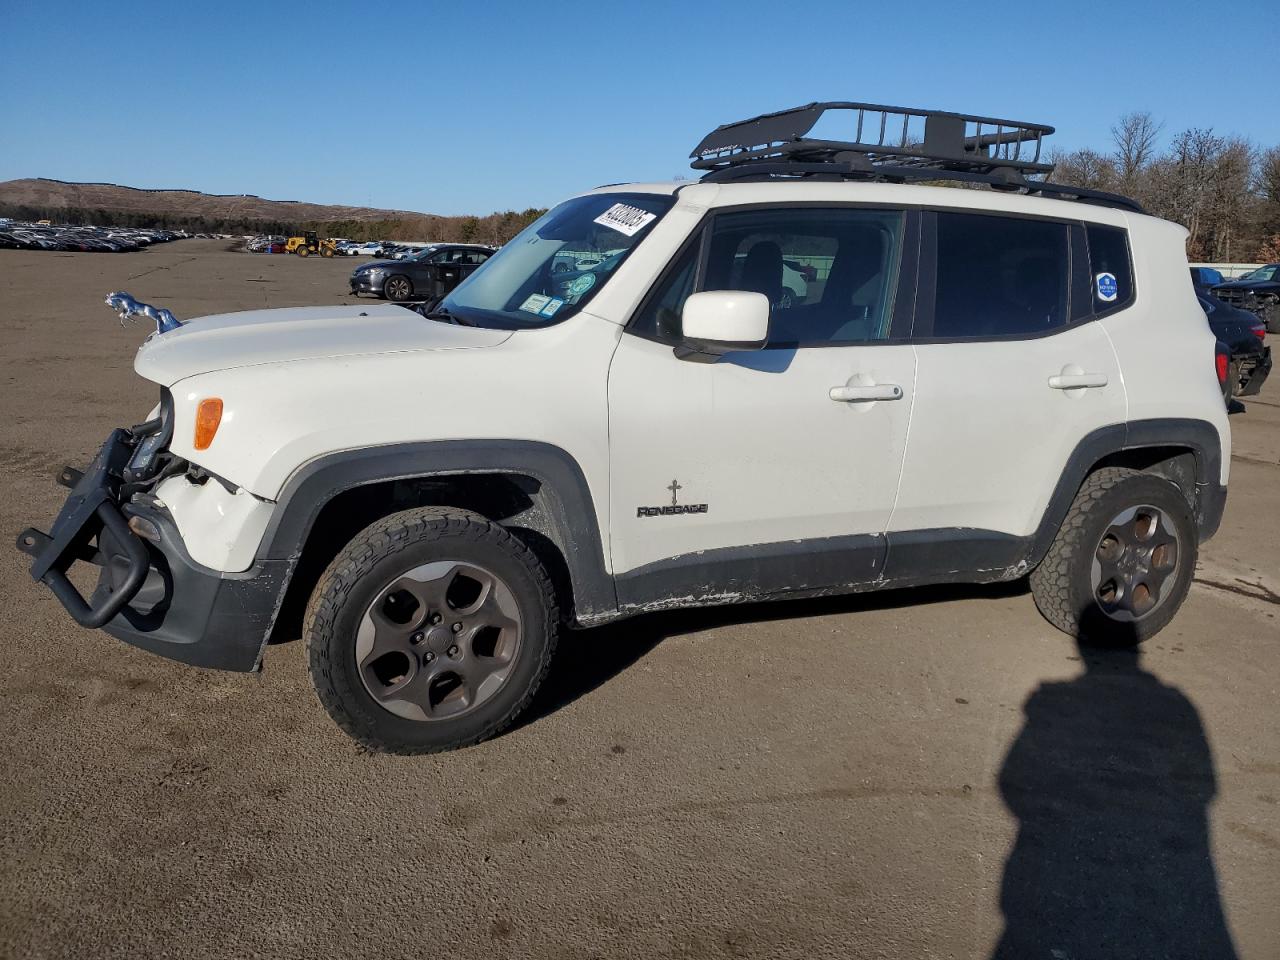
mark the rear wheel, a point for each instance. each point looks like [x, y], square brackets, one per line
[397, 288]
[1122, 562]
[431, 630]
[302, 251]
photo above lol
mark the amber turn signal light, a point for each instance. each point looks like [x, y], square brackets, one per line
[208, 416]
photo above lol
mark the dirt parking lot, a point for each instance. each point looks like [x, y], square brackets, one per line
[913, 774]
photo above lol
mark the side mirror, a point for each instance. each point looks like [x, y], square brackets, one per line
[723, 321]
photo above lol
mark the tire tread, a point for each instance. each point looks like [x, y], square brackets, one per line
[1051, 580]
[386, 537]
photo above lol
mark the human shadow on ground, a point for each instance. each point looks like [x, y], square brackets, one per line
[1110, 779]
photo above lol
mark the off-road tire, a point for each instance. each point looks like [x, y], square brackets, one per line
[1061, 583]
[376, 556]
[302, 251]
[397, 288]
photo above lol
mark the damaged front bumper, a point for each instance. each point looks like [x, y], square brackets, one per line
[149, 591]
[1254, 371]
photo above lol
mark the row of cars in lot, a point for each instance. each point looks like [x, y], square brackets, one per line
[384, 249]
[1241, 312]
[16, 235]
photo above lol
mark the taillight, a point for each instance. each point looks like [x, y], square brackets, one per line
[1260, 331]
[1223, 363]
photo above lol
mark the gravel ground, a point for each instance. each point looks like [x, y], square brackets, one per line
[934, 773]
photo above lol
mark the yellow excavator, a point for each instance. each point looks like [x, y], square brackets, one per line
[307, 243]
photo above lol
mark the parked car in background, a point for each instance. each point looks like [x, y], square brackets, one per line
[1204, 279]
[1249, 356]
[428, 274]
[1258, 291]
[369, 248]
[796, 277]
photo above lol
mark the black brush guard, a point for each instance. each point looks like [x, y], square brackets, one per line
[92, 509]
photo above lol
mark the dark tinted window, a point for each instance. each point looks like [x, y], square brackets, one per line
[660, 316]
[1109, 264]
[830, 275]
[999, 276]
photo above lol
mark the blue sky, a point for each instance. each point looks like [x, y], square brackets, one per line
[470, 107]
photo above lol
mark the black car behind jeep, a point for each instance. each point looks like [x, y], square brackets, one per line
[427, 275]
[1245, 338]
[1258, 291]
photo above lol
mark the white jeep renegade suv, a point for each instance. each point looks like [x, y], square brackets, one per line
[974, 386]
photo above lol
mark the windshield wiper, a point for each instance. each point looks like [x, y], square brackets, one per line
[440, 313]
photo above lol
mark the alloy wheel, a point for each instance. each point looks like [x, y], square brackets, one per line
[438, 640]
[1135, 559]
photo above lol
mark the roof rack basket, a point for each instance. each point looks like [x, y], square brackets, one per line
[889, 143]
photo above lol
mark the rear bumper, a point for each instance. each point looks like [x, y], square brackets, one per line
[149, 591]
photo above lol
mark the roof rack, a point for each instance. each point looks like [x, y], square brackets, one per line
[895, 144]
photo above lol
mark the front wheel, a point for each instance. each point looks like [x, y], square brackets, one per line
[431, 630]
[1122, 562]
[397, 288]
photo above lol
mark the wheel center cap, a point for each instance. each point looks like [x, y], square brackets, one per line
[1131, 564]
[439, 638]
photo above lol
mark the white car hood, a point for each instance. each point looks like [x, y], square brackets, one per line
[228, 340]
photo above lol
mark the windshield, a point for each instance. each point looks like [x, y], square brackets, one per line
[1262, 273]
[553, 267]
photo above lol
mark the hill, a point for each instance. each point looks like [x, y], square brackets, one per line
[112, 204]
[59, 194]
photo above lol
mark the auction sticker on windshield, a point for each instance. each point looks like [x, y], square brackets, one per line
[536, 303]
[626, 219]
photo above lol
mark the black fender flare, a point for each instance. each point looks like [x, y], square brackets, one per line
[570, 505]
[1200, 437]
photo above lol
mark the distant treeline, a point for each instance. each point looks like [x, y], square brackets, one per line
[1224, 189]
[496, 228]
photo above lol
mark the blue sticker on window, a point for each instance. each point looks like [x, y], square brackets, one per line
[1107, 287]
[582, 284]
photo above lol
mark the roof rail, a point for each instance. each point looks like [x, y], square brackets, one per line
[894, 144]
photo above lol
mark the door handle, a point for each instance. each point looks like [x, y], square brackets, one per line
[860, 393]
[1077, 381]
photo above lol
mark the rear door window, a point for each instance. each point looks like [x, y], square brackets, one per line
[999, 276]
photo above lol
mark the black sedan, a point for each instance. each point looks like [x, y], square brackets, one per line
[1245, 338]
[1258, 291]
[427, 275]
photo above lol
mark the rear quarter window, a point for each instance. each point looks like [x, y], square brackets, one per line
[1111, 269]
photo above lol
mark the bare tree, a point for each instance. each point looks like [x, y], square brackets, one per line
[1135, 136]
[1084, 168]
